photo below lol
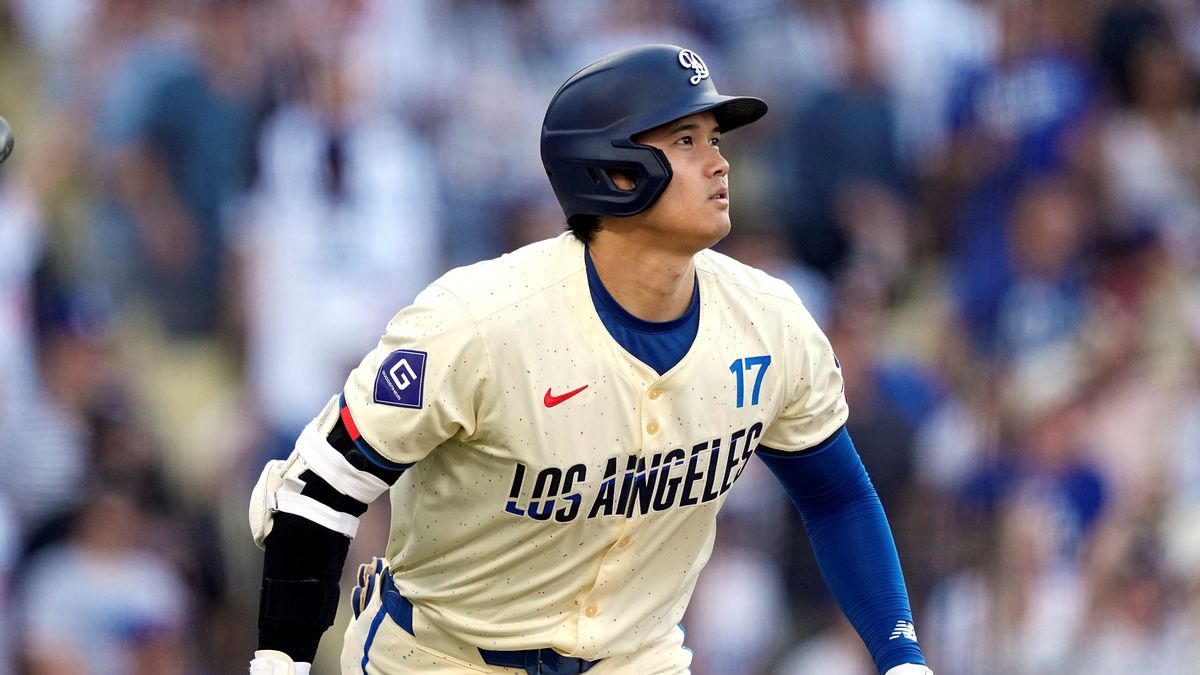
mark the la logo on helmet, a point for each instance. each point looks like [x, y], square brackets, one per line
[690, 59]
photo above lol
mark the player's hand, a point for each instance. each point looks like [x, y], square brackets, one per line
[368, 583]
[271, 662]
[909, 669]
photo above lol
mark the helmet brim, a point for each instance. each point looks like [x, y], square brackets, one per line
[738, 111]
[731, 112]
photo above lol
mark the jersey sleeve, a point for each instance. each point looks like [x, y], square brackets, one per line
[420, 385]
[817, 407]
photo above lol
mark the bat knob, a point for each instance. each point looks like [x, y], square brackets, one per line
[6, 139]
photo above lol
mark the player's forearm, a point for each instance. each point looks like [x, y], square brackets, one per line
[853, 544]
[299, 595]
[303, 512]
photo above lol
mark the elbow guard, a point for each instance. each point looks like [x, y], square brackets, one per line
[329, 479]
[303, 512]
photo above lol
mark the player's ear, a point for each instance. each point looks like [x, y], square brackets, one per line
[623, 180]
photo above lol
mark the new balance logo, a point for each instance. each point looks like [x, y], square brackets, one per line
[904, 629]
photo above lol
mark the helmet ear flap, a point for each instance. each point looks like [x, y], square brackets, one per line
[574, 171]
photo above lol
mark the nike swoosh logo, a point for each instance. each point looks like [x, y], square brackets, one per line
[551, 400]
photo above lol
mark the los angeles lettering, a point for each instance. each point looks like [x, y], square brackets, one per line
[632, 485]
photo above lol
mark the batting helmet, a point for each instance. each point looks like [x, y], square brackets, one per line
[592, 119]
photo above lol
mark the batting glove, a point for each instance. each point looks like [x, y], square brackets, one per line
[909, 669]
[271, 662]
[368, 583]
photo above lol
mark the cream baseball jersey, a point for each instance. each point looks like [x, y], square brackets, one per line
[562, 493]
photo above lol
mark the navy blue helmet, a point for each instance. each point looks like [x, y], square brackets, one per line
[592, 119]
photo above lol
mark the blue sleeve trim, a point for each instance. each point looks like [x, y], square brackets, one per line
[372, 455]
[369, 453]
[845, 520]
[772, 452]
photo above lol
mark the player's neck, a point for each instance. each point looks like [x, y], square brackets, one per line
[650, 283]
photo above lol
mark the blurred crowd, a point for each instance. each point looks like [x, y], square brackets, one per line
[992, 207]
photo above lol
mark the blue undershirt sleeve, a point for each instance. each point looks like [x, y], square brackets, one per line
[853, 544]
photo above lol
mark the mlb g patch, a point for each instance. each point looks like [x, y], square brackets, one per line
[401, 379]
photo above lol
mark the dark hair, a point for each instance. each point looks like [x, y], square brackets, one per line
[584, 226]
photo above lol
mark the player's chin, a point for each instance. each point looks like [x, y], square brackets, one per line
[718, 228]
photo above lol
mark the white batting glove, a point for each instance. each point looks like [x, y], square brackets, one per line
[909, 669]
[271, 662]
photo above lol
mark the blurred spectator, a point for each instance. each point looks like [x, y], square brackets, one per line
[22, 248]
[741, 616]
[844, 136]
[1026, 115]
[743, 612]
[879, 388]
[783, 49]
[133, 618]
[528, 221]
[875, 221]
[80, 43]
[1181, 476]
[836, 649]
[1044, 305]
[1045, 463]
[1151, 144]
[387, 39]
[10, 549]
[957, 434]
[43, 432]
[955, 36]
[173, 142]
[185, 533]
[1033, 298]
[761, 243]
[339, 233]
[1137, 619]
[173, 133]
[1018, 114]
[1018, 599]
[1144, 360]
[1015, 610]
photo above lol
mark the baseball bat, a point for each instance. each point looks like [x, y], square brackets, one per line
[6, 139]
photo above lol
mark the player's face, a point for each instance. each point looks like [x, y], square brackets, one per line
[694, 209]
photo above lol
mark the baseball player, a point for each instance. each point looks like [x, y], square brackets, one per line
[558, 427]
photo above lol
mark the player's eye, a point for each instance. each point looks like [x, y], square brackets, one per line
[714, 141]
[684, 140]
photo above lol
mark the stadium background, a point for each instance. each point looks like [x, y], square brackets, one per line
[992, 208]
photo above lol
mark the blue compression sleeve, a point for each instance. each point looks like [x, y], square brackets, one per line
[853, 544]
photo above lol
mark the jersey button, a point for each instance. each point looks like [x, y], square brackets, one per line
[655, 393]
[652, 428]
[590, 611]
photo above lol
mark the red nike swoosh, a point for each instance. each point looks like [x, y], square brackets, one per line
[551, 400]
